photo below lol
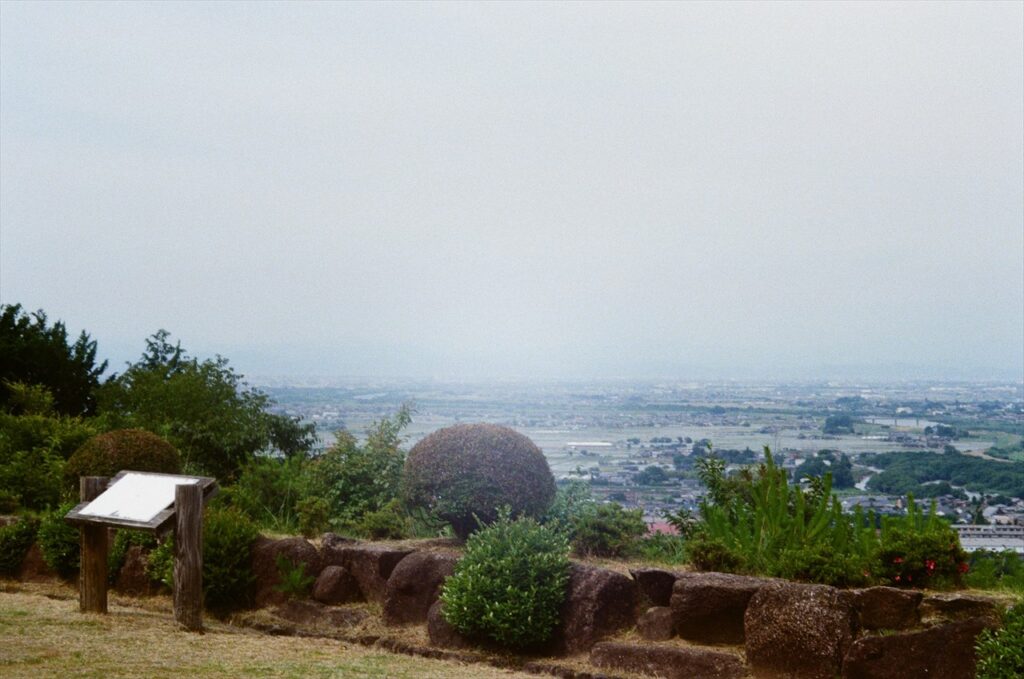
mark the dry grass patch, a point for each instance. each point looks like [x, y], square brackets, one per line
[48, 637]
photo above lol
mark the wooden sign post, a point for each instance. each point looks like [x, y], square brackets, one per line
[156, 503]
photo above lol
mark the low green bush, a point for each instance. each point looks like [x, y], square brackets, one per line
[294, 581]
[388, 523]
[996, 570]
[661, 548]
[1000, 652]
[59, 541]
[15, 541]
[919, 550]
[510, 585]
[228, 580]
[607, 530]
[269, 491]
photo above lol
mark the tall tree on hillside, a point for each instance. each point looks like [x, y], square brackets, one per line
[204, 408]
[33, 353]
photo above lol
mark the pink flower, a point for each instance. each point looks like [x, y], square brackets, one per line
[898, 559]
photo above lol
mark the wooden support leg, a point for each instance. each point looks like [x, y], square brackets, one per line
[92, 586]
[188, 557]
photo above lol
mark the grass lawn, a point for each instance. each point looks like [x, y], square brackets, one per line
[44, 637]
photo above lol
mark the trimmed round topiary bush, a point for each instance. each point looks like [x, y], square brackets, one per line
[466, 472]
[510, 585]
[107, 454]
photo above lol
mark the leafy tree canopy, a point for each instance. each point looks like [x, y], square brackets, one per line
[204, 408]
[35, 353]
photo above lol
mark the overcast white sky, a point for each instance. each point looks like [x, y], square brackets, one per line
[554, 190]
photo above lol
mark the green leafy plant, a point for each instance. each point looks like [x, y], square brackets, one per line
[510, 584]
[1000, 652]
[662, 548]
[15, 541]
[919, 550]
[996, 570]
[607, 530]
[357, 479]
[464, 473]
[294, 581]
[759, 523]
[389, 522]
[59, 541]
[228, 580]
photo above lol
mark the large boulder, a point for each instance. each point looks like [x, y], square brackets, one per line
[440, 632]
[598, 603]
[132, 579]
[335, 585]
[33, 566]
[371, 565]
[943, 652]
[656, 624]
[888, 608]
[795, 630]
[654, 584]
[415, 585]
[947, 606]
[265, 552]
[709, 607]
[671, 662]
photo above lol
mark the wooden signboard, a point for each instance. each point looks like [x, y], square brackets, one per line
[138, 500]
[151, 502]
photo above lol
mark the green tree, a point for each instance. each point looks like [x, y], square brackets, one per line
[204, 408]
[33, 353]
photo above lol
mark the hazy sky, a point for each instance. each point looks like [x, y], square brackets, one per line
[537, 190]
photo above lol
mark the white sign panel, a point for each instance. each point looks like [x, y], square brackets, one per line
[136, 497]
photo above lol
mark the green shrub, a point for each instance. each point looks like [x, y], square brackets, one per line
[389, 523]
[607, 530]
[996, 570]
[269, 491]
[510, 584]
[662, 548]
[1001, 652]
[59, 541]
[228, 580]
[134, 449]
[294, 581]
[464, 473]
[356, 479]
[15, 541]
[920, 551]
[313, 515]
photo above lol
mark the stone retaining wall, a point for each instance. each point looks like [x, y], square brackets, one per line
[677, 624]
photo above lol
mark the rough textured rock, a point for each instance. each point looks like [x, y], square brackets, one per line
[888, 607]
[961, 606]
[656, 624]
[312, 613]
[797, 630]
[414, 586]
[335, 585]
[943, 652]
[264, 565]
[34, 568]
[598, 603]
[440, 632]
[654, 584]
[371, 565]
[709, 607]
[672, 662]
[132, 578]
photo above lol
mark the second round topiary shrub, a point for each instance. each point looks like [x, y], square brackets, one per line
[510, 585]
[107, 454]
[466, 472]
